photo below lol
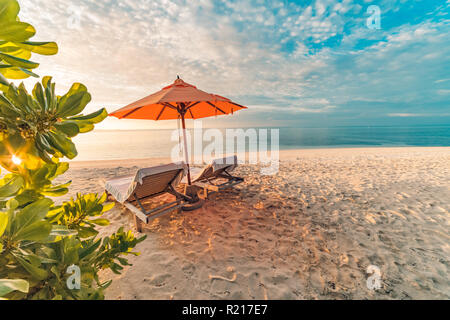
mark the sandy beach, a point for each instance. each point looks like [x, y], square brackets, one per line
[309, 232]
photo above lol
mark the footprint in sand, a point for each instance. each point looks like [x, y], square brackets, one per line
[316, 281]
[398, 214]
[343, 260]
[255, 287]
[158, 280]
[371, 219]
[189, 269]
[441, 210]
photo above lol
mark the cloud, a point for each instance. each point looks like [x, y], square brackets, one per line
[441, 80]
[405, 115]
[307, 106]
[316, 58]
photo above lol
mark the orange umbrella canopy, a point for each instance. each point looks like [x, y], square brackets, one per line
[180, 99]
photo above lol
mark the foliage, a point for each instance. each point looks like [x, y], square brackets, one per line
[41, 240]
[7, 286]
[41, 125]
[15, 47]
[38, 246]
[83, 214]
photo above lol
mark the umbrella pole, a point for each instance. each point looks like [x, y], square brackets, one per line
[186, 155]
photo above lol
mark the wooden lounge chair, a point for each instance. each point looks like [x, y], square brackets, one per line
[216, 176]
[146, 184]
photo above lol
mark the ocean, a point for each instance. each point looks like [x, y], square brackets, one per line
[137, 144]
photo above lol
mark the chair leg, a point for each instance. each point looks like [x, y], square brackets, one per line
[137, 223]
[179, 210]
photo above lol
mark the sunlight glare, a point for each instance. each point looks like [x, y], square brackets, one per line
[16, 160]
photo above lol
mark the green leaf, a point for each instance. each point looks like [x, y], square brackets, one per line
[17, 73]
[103, 198]
[44, 48]
[100, 222]
[3, 223]
[62, 144]
[32, 213]
[86, 232]
[108, 206]
[36, 272]
[12, 48]
[74, 104]
[10, 285]
[27, 197]
[69, 128]
[71, 246]
[84, 126]
[11, 187]
[63, 231]
[62, 167]
[74, 89]
[12, 204]
[38, 94]
[46, 81]
[16, 31]
[34, 232]
[94, 117]
[27, 72]
[39, 176]
[86, 251]
[55, 192]
[124, 261]
[18, 62]
[3, 82]
[9, 9]
[42, 143]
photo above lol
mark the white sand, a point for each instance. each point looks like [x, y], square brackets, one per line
[309, 232]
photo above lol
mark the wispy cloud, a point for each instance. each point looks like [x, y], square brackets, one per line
[304, 60]
[406, 115]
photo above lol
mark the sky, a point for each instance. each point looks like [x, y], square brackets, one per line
[314, 63]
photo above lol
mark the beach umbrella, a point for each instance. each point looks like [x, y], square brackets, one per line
[182, 101]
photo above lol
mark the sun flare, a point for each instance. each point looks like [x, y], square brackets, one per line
[16, 160]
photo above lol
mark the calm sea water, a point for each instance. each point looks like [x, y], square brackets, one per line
[109, 145]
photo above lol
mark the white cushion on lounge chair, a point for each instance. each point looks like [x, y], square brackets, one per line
[197, 173]
[145, 172]
[228, 162]
[121, 188]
